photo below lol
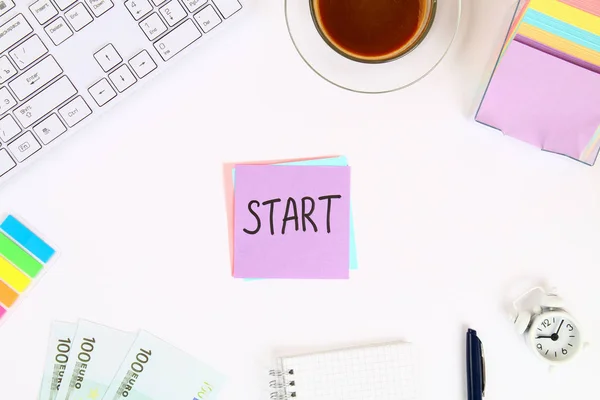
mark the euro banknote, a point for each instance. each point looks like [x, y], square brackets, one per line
[156, 370]
[57, 357]
[96, 354]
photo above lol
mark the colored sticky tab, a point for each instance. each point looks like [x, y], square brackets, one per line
[19, 257]
[13, 276]
[292, 222]
[7, 295]
[2, 311]
[26, 238]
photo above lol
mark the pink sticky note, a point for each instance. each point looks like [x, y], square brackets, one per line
[292, 222]
[521, 10]
[543, 100]
[590, 6]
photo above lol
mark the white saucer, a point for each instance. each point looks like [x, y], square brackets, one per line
[372, 78]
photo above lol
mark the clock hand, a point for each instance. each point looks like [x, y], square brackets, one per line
[560, 326]
[544, 337]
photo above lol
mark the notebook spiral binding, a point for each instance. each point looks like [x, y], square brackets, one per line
[281, 383]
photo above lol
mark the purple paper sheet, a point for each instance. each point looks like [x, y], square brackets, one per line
[543, 100]
[567, 57]
[263, 250]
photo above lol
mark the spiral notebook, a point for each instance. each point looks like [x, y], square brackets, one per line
[384, 371]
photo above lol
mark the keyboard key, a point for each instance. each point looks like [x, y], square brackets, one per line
[142, 64]
[24, 147]
[108, 57]
[138, 8]
[7, 101]
[122, 78]
[7, 70]
[58, 31]
[173, 12]
[102, 92]
[49, 129]
[63, 4]
[36, 77]
[8, 128]
[6, 6]
[45, 101]
[158, 2]
[177, 40]
[194, 5]
[207, 19]
[153, 26]
[79, 17]
[74, 112]
[6, 162]
[13, 31]
[29, 51]
[228, 7]
[99, 7]
[43, 11]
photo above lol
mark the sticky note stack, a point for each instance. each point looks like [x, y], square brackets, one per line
[292, 220]
[87, 360]
[545, 89]
[24, 256]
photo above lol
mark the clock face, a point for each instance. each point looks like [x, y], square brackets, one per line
[555, 337]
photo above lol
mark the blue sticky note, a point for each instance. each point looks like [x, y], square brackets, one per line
[340, 161]
[562, 29]
[26, 238]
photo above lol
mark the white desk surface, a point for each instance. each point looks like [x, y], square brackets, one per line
[451, 219]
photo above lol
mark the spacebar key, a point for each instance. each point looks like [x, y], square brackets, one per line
[180, 38]
[47, 100]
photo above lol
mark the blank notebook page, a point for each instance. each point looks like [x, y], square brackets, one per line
[378, 372]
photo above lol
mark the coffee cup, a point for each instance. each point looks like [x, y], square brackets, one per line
[373, 31]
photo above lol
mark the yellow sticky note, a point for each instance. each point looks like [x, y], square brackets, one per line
[568, 14]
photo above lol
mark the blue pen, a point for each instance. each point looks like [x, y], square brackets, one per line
[475, 367]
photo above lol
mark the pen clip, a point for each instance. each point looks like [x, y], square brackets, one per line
[482, 369]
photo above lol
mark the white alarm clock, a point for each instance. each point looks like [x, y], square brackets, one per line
[551, 332]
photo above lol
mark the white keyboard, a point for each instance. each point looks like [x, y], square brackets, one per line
[64, 62]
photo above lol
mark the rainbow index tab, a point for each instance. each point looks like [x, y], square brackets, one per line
[24, 257]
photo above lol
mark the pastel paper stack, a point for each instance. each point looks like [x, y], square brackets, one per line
[306, 233]
[545, 89]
